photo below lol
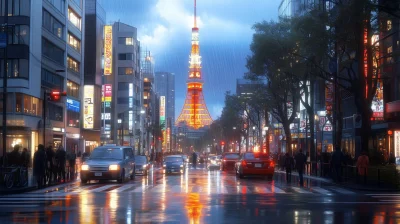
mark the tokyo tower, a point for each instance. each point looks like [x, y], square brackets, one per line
[194, 113]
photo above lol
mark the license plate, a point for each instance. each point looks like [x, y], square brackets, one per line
[257, 165]
[98, 174]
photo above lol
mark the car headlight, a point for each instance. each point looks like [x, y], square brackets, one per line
[144, 166]
[113, 167]
[85, 167]
[181, 165]
[164, 165]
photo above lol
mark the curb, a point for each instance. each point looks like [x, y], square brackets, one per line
[344, 185]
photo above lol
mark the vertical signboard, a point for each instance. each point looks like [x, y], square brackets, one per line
[397, 144]
[107, 93]
[107, 50]
[130, 123]
[329, 97]
[377, 101]
[88, 107]
[162, 111]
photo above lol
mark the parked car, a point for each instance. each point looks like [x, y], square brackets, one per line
[142, 165]
[109, 163]
[173, 164]
[251, 164]
[228, 160]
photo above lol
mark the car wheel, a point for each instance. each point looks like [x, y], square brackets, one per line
[122, 178]
[83, 181]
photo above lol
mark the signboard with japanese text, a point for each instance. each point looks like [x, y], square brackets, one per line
[108, 45]
[106, 116]
[397, 144]
[162, 111]
[88, 111]
[73, 105]
[107, 93]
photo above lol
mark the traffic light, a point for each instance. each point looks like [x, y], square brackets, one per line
[55, 96]
[222, 143]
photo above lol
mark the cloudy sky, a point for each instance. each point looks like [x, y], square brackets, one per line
[164, 27]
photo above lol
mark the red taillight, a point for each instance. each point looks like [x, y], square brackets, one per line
[272, 164]
[244, 163]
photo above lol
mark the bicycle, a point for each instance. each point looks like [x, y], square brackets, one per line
[17, 176]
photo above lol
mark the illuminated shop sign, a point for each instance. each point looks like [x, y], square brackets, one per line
[106, 116]
[73, 105]
[162, 111]
[106, 93]
[397, 143]
[130, 123]
[88, 107]
[107, 50]
[377, 101]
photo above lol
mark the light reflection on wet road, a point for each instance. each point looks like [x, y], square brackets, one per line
[199, 196]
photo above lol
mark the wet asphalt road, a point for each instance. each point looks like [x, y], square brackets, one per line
[199, 196]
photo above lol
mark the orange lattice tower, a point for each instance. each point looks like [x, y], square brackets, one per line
[195, 113]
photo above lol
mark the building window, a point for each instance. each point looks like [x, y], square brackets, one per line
[123, 86]
[125, 40]
[52, 52]
[125, 71]
[78, 2]
[389, 54]
[125, 57]
[74, 42]
[15, 8]
[73, 118]
[16, 68]
[20, 35]
[52, 80]
[73, 64]
[56, 112]
[123, 100]
[59, 5]
[10, 102]
[52, 25]
[388, 24]
[74, 18]
[72, 89]
[32, 106]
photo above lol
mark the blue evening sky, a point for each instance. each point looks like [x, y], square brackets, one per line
[164, 28]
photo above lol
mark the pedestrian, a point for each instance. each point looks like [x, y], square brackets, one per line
[61, 159]
[288, 164]
[50, 166]
[336, 164]
[194, 159]
[39, 165]
[362, 164]
[301, 161]
[14, 157]
[72, 163]
[25, 158]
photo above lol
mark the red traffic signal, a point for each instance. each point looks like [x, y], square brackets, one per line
[56, 95]
[222, 143]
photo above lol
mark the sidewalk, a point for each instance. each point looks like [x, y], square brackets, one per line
[32, 185]
[348, 185]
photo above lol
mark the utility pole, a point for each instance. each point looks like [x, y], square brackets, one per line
[5, 38]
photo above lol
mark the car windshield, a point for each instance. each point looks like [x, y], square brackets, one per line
[213, 157]
[173, 159]
[107, 153]
[256, 156]
[140, 159]
[231, 156]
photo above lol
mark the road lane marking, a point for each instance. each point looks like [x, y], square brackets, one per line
[140, 189]
[99, 189]
[321, 190]
[82, 188]
[122, 188]
[261, 190]
[301, 191]
[341, 190]
[158, 188]
[243, 190]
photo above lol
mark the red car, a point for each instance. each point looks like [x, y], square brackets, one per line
[229, 160]
[251, 164]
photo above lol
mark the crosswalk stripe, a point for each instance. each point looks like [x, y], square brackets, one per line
[103, 188]
[261, 190]
[18, 206]
[341, 190]
[140, 189]
[301, 191]
[243, 190]
[33, 199]
[158, 188]
[123, 187]
[275, 189]
[82, 188]
[320, 190]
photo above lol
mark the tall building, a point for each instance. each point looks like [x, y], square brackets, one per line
[47, 41]
[147, 69]
[293, 8]
[124, 81]
[194, 112]
[165, 86]
[95, 18]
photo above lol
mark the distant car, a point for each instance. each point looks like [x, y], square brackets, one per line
[109, 163]
[251, 164]
[229, 160]
[142, 165]
[174, 164]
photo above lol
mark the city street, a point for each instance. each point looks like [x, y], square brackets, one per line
[200, 196]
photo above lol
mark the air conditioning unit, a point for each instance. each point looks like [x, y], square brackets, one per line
[357, 120]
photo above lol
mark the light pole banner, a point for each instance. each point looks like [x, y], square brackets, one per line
[88, 107]
[108, 50]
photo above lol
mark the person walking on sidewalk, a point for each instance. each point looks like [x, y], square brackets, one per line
[336, 164]
[50, 163]
[362, 164]
[39, 165]
[301, 161]
[288, 164]
[194, 159]
[61, 159]
[72, 163]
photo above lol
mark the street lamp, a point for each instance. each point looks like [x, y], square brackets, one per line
[254, 130]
